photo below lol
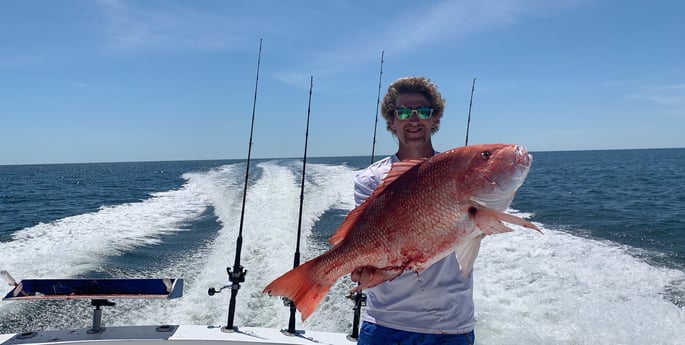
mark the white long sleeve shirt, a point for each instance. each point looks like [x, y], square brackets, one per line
[437, 300]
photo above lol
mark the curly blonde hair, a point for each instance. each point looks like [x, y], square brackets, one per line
[413, 84]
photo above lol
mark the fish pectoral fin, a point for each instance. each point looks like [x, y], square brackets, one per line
[467, 252]
[490, 221]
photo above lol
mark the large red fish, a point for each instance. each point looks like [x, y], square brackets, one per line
[423, 211]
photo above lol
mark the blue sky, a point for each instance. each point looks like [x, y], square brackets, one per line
[109, 80]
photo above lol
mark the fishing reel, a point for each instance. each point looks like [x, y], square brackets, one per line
[359, 298]
[287, 302]
[211, 291]
[236, 278]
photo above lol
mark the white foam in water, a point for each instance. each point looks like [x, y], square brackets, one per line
[269, 236]
[528, 288]
[77, 244]
[560, 289]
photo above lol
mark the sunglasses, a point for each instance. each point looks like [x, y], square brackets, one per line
[404, 113]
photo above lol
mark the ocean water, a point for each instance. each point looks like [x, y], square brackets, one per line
[609, 268]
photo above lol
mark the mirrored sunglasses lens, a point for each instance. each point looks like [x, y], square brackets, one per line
[424, 113]
[403, 113]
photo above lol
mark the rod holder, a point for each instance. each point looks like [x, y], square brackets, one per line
[97, 314]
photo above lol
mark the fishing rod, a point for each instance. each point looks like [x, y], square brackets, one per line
[296, 262]
[468, 122]
[237, 275]
[378, 102]
[359, 297]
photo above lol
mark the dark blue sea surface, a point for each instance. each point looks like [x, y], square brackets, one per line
[612, 221]
[31, 194]
[633, 197]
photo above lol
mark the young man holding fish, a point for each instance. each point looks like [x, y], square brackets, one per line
[413, 238]
[434, 306]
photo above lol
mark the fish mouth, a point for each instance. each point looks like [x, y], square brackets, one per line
[522, 157]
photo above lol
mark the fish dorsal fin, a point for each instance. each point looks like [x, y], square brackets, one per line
[397, 170]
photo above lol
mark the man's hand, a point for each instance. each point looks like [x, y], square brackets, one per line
[369, 276]
[362, 274]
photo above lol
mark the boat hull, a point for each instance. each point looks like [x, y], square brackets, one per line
[173, 334]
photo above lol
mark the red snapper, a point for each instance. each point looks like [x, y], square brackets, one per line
[423, 211]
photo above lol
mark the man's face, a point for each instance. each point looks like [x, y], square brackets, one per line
[413, 131]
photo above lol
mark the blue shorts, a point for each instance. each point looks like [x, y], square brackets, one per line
[372, 334]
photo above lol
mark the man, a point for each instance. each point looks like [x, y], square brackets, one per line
[436, 305]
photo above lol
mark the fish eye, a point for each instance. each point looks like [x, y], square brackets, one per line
[486, 155]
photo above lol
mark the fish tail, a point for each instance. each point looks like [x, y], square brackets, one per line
[302, 285]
